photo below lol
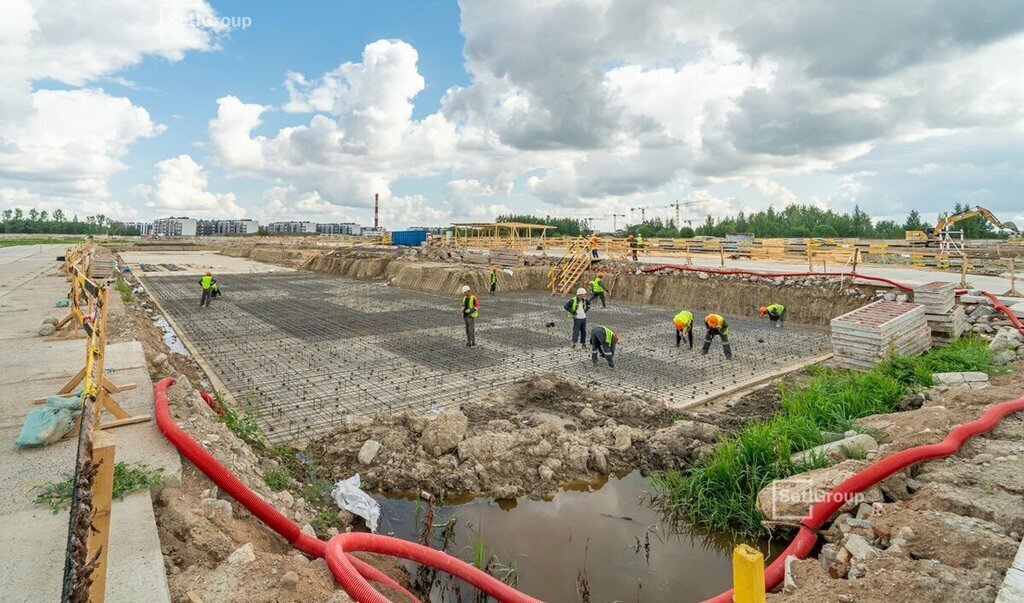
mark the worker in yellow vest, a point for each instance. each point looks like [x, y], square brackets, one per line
[775, 313]
[684, 327]
[715, 325]
[493, 280]
[470, 310]
[577, 308]
[598, 287]
[603, 340]
[208, 285]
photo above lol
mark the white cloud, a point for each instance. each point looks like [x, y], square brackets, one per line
[179, 187]
[24, 199]
[229, 134]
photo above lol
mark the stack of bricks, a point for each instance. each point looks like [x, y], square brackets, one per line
[945, 318]
[871, 334]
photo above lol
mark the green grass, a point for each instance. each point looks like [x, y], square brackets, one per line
[277, 479]
[127, 478]
[721, 492]
[124, 289]
[243, 422]
[324, 520]
[38, 241]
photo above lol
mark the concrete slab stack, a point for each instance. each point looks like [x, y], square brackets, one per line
[946, 320]
[863, 338]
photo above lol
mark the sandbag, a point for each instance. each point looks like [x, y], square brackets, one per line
[51, 422]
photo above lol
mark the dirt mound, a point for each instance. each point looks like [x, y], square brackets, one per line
[539, 434]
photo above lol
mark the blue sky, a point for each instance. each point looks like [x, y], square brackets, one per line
[458, 111]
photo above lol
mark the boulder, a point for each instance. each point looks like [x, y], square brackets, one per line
[368, 451]
[46, 330]
[242, 555]
[787, 500]
[859, 548]
[50, 321]
[444, 433]
[160, 359]
[838, 450]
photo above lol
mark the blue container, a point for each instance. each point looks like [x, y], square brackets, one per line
[408, 238]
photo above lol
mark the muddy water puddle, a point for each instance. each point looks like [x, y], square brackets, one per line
[170, 337]
[605, 531]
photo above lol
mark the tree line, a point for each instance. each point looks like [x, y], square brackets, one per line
[567, 227]
[16, 221]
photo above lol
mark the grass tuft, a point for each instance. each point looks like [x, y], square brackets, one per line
[127, 478]
[721, 491]
[124, 289]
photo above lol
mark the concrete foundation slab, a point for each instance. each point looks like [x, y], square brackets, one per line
[305, 351]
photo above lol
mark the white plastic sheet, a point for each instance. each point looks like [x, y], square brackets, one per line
[348, 496]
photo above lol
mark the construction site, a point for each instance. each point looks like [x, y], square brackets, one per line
[547, 473]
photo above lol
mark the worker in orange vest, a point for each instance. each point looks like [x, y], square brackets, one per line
[715, 324]
[593, 246]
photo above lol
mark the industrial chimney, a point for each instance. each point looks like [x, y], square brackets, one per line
[376, 210]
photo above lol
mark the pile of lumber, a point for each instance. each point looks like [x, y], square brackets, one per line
[868, 335]
[101, 267]
[506, 257]
[946, 319]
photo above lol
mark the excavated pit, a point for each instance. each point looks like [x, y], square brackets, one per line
[308, 351]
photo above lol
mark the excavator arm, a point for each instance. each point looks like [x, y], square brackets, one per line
[945, 220]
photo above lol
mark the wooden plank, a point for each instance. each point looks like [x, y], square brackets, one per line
[102, 498]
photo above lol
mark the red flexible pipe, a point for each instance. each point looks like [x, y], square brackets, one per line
[356, 586]
[998, 305]
[206, 463]
[869, 277]
[818, 514]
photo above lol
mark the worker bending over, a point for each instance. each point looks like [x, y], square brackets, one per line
[598, 287]
[494, 280]
[577, 308]
[208, 285]
[470, 310]
[684, 327]
[715, 325]
[603, 340]
[775, 312]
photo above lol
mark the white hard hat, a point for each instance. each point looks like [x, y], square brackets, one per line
[465, 288]
[581, 291]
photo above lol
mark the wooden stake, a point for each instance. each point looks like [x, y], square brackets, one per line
[963, 271]
[721, 253]
[102, 498]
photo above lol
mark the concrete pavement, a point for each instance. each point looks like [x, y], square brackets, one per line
[29, 285]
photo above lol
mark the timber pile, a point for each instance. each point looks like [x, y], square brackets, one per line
[475, 257]
[506, 257]
[946, 320]
[869, 335]
[101, 267]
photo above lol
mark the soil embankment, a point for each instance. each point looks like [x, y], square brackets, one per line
[810, 301]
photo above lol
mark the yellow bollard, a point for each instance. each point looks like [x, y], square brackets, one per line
[747, 575]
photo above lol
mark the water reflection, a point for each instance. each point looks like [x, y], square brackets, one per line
[170, 337]
[604, 530]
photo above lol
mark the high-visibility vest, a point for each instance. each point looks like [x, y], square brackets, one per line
[776, 309]
[593, 243]
[724, 328]
[469, 303]
[573, 304]
[639, 239]
[608, 335]
[206, 281]
[494, 278]
[595, 286]
[684, 317]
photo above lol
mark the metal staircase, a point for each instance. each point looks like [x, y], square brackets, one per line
[564, 275]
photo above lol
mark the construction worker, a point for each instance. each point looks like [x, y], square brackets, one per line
[470, 310]
[715, 325]
[632, 245]
[603, 340]
[577, 308]
[598, 287]
[593, 246]
[494, 280]
[639, 243]
[208, 285]
[775, 312]
[684, 326]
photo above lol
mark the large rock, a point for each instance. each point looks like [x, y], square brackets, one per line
[46, 330]
[787, 500]
[242, 555]
[922, 426]
[368, 451]
[444, 433]
[838, 450]
[486, 447]
[1005, 339]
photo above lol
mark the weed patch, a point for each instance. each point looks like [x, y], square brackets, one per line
[127, 478]
[243, 422]
[721, 492]
[124, 289]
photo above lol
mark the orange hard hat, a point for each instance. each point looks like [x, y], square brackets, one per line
[679, 323]
[600, 275]
[714, 320]
[762, 309]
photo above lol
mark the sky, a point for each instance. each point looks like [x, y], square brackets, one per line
[461, 111]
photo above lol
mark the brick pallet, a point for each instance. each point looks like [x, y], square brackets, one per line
[946, 320]
[868, 335]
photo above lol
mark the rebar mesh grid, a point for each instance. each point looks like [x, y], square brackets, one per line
[306, 350]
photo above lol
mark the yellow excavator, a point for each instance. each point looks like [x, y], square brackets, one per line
[931, 236]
